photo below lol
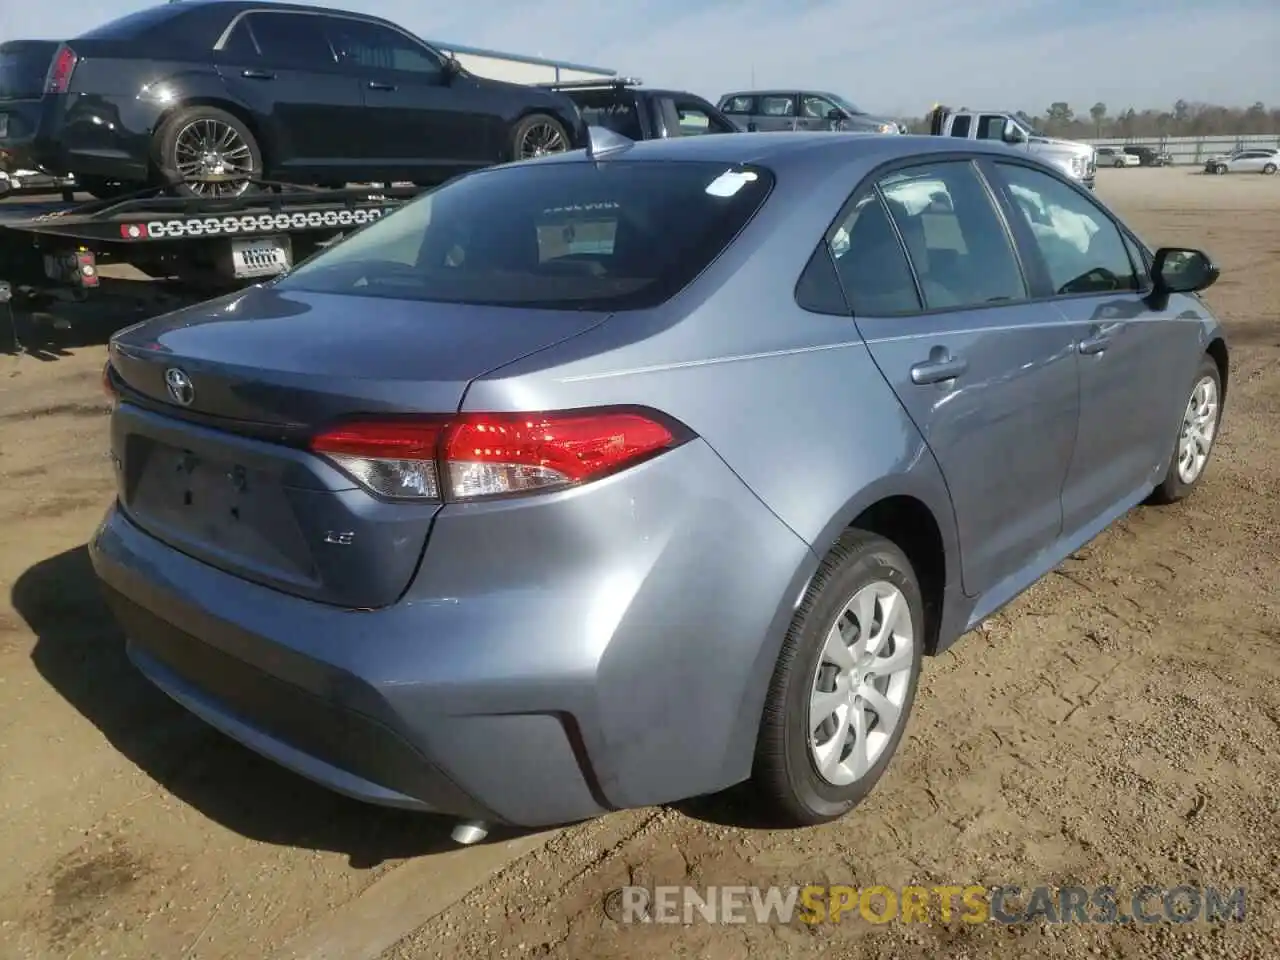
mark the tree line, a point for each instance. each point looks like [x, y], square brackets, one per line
[1186, 119]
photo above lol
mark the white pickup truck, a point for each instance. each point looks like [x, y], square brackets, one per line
[1077, 160]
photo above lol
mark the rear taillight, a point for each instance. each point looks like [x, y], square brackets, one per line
[486, 455]
[64, 64]
[108, 387]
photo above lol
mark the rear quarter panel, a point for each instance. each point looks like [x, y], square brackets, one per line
[117, 103]
[790, 400]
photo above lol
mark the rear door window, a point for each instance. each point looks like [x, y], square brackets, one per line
[291, 39]
[959, 247]
[778, 106]
[564, 235]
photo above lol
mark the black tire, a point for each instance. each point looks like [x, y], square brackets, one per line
[1118, 163]
[1173, 488]
[1220, 169]
[165, 145]
[1269, 169]
[528, 126]
[785, 775]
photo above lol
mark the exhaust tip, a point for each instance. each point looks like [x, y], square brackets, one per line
[472, 831]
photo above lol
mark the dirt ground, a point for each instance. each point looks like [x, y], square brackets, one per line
[1116, 725]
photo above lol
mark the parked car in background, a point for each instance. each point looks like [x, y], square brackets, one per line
[210, 95]
[1150, 156]
[513, 506]
[31, 182]
[767, 110]
[1116, 157]
[1077, 160]
[637, 112]
[1264, 160]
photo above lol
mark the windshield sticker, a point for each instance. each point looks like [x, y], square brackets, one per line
[730, 182]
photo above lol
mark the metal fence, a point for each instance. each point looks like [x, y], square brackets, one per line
[1192, 150]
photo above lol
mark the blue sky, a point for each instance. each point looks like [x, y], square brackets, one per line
[898, 57]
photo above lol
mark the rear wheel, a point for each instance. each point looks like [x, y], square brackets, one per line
[1118, 163]
[844, 683]
[206, 152]
[1269, 169]
[538, 135]
[1220, 169]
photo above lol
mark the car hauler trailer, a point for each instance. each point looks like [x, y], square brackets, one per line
[53, 249]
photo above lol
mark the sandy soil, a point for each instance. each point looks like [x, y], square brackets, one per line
[1118, 724]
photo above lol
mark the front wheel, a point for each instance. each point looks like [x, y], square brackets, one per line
[1269, 169]
[206, 152]
[844, 683]
[1118, 163]
[1200, 421]
[538, 135]
[1220, 169]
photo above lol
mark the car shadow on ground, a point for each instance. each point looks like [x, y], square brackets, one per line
[51, 330]
[80, 652]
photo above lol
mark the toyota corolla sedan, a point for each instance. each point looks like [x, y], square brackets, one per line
[607, 480]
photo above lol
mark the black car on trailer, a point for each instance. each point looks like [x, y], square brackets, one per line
[206, 96]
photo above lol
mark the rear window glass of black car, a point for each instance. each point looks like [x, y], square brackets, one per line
[613, 111]
[620, 235]
[133, 25]
[189, 28]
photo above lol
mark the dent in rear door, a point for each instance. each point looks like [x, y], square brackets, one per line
[990, 383]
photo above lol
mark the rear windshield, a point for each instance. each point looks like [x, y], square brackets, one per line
[611, 111]
[617, 235]
[134, 26]
[23, 66]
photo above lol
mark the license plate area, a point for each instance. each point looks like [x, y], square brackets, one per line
[214, 507]
[260, 256]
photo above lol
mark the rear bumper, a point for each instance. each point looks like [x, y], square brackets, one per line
[629, 676]
[76, 134]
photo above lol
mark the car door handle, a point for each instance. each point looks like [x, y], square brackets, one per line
[379, 85]
[1099, 339]
[257, 74]
[938, 368]
[1091, 346]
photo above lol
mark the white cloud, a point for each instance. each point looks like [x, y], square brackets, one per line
[896, 58]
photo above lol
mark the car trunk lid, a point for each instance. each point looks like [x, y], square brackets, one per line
[217, 402]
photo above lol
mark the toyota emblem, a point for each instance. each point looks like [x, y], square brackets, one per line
[181, 390]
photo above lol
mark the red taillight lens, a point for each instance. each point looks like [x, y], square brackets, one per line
[64, 64]
[485, 455]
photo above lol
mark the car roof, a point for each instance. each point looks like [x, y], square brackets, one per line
[273, 6]
[784, 148]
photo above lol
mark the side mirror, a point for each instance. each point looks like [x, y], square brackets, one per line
[752, 126]
[1182, 270]
[452, 68]
[1012, 135]
[836, 115]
